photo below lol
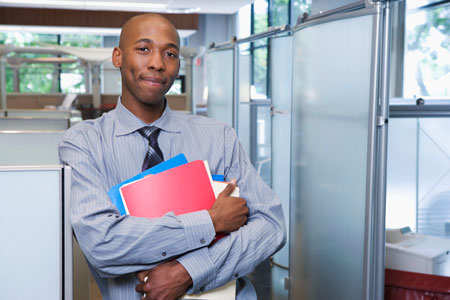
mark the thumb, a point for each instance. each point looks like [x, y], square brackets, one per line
[229, 188]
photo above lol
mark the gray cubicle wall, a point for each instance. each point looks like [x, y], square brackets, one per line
[36, 236]
[338, 133]
[29, 147]
[27, 123]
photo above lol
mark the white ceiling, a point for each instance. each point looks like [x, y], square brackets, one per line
[162, 6]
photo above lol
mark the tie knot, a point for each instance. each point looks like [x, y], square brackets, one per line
[150, 133]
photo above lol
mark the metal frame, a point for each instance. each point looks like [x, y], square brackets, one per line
[67, 236]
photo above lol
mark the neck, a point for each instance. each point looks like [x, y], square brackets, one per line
[147, 112]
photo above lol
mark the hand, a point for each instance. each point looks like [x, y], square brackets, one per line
[228, 213]
[168, 281]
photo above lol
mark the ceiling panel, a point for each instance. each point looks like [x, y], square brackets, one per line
[163, 6]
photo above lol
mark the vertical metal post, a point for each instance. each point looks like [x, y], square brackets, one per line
[383, 115]
[87, 77]
[16, 78]
[67, 235]
[188, 78]
[96, 93]
[235, 118]
[3, 103]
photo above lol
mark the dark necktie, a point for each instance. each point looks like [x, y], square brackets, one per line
[154, 155]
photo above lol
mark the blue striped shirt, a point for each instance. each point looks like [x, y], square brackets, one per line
[108, 150]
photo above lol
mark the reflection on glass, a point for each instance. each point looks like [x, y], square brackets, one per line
[427, 57]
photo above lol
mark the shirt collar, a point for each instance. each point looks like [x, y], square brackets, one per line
[127, 122]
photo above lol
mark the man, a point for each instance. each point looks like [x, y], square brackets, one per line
[164, 258]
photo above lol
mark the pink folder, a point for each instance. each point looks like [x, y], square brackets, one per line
[184, 189]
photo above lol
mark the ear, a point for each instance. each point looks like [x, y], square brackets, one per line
[117, 57]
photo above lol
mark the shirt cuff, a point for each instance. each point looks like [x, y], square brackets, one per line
[200, 267]
[199, 228]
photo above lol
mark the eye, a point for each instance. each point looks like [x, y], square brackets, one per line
[142, 49]
[172, 54]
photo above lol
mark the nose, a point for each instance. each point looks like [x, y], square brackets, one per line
[156, 61]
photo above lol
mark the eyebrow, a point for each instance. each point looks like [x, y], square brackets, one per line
[151, 41]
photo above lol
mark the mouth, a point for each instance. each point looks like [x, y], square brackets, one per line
[153, 81]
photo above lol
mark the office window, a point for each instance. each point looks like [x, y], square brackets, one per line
[24, 74]
[260, 17]
[260, 74]
[279, 12]
[427, 49]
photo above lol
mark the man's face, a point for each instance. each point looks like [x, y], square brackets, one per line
[149, 60]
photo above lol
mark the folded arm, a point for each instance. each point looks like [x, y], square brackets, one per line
[115, 244]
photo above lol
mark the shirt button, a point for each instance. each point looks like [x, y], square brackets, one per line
[202, 289]
[164, 254]
[202, 241]
[236, 275]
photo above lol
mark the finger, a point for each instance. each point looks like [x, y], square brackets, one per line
[139, 288]
[141, 275]
[229, 188]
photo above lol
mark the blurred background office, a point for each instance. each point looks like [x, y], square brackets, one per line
[343, 107]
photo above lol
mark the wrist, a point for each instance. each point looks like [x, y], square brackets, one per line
[213, 219]
[183, 275]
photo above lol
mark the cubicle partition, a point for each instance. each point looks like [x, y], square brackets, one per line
[36, 234]
[29, 147]
[338, 153]
[27, 123]
[281, 88]
[220, 68]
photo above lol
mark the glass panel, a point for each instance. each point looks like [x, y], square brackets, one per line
[279, 12]
[330, 110]
[319, 6]
[281, 68]
[401, 174]
[263, 143]
[259, 86]
[434, 177]
[30, 241]
[427, 63]
[244, 99]
[260, 20]
[219, 68]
